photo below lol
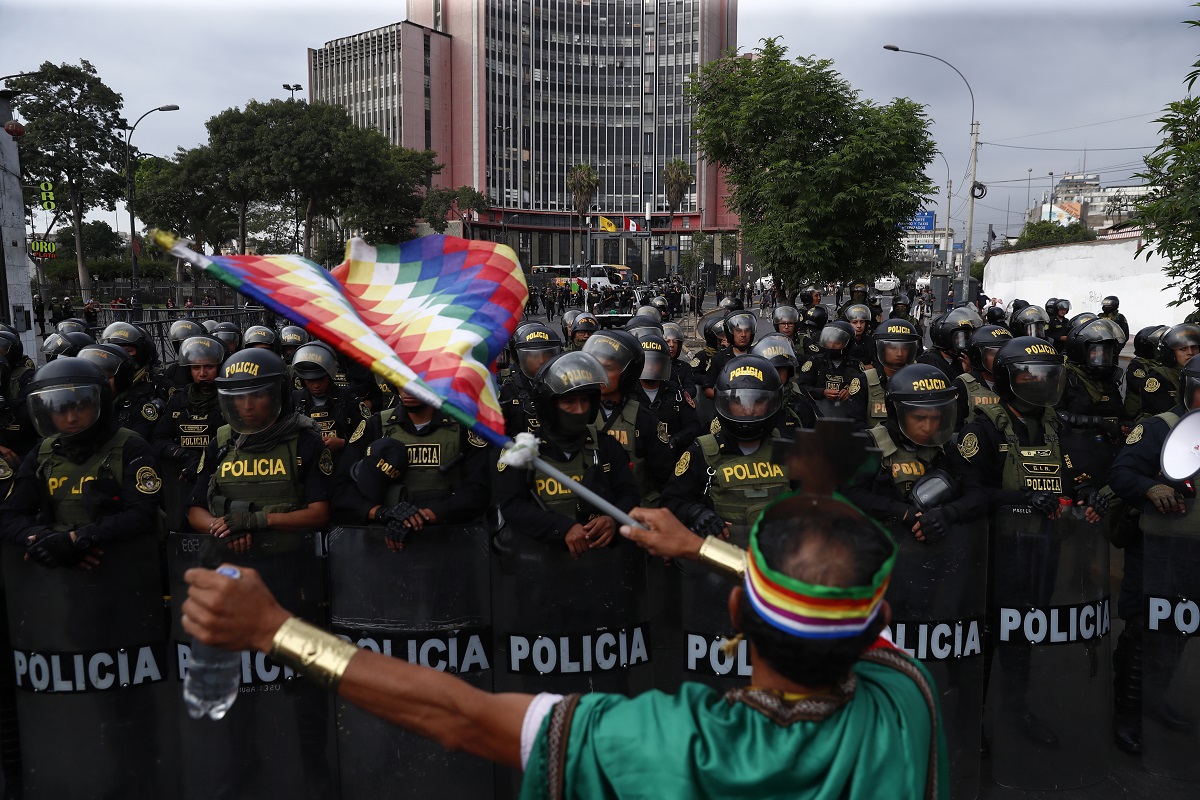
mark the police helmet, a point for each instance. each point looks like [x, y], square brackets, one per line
[994, 315]
[1119, 332]
[1093, 346]
[565, 321]
[250, 390]
[657, 364]
[620, 355]
[1030, 321]
[535, 346]
[777, 348]
[901, 305]
[923, 403]
[65, 344]
[1051, 305]
[1063, 305]
[260, 336]
[857, 312]
[745, 321]
[648, 311]
[11, 348]
[1189, 384]
[985, 343]
[182, 330]
[806, 295]
[210, 325]
[115, 362]
[859, 291]
[129, 336]
[291, 338]
[201, 350]
[1145, 341]
[1110, 304]
[585, 323]
[955, 328]
[673, 334]
[229, 334]
[815, 318]
[1178, 337]
[314, 361]
[72, 325]
[714, 330]
[747, 397]
[1082, 317]
[567, 375]
[835, 337]
[67, 397]
[660, 303]
[785, 315]
[731, 303]
[897, 343]
[1029, 373]
[643, 323]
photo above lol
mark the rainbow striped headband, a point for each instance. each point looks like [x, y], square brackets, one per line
[811, 611]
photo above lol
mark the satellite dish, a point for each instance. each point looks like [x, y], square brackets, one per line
[1181, 450]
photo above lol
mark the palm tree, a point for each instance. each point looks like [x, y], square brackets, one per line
[582, 183]
[676, 179]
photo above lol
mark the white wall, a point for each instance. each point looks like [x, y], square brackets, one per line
[1085, 274]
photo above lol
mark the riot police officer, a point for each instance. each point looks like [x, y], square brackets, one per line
[174, 375]
[861, 319]
[1059, 325]
[712, 328]
[1110, 308]
[266, 469]
[290, 339]
[583, 326]
[897, 344]
[260, 336]
[188, 424]
[135, 402]
[333, 409]
[858, 296]
[1029, 321]
[726, 478]
[1145, 351]
[1092, 397]
[975, 385]
[229, 334]
[566, 396]
[672, 407]
[69, 344]
[621, 416]
[565, 321]
[1175, 349]
[833, 378]
[798, 411]
[681, 366]
[89, 482]
[534, 345]
[786, 319]
[1136, 477]
[739, 333]
[20, 366]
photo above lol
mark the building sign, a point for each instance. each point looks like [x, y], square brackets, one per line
[47, 189]
[921, 221]
[40, 248]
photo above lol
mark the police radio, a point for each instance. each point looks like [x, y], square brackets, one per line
[1180, 459]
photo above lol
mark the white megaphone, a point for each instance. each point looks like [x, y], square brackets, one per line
[1181, 451]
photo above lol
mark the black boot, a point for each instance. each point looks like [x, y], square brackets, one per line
[1127, 688]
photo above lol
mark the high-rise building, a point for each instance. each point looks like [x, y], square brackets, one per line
[512, 93]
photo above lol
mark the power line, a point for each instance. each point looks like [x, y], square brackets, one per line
[1071, 149]
[1077, 127]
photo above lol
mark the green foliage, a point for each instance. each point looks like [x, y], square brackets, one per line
[977, 271]
[821, 180]
[582, 183]
[186, 195]
[441, 203]
[99, 241]
[676, 179]
[1039, 234]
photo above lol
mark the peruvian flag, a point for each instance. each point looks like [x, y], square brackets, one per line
[632, 225]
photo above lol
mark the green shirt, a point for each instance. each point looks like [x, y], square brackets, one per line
[878, 740]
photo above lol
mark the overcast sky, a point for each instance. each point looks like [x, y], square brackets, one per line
[1092, 74]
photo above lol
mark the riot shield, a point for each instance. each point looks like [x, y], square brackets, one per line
[938, 597]
[1170, 664]
[1049, 689]
[428, 604]
[570, 625]
[277, 740]
[704, 596]
[95, 704]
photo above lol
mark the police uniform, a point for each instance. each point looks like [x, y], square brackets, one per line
[448, 466]
[876, 380]
[636, 430]
[675, 411]
[717, 363]
[1136, 375]
[715, 472]
[184, 431]
[974, 391]
[1119, 318]
[516, 403]
[1160, 389]
[337, 415]
[139, 408]
[1008, 454]
[952, 366]
[1090, 395]
[1057, 331]
[683, 375]
[820, 373]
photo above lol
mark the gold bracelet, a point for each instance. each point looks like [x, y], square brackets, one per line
[312, 652]
[724, 557]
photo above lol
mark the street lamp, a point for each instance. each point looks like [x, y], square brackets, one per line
[134, 306]
[966, 266]
[293, 88]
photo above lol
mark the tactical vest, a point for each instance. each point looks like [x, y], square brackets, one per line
[1105, 401]
[254, 481]
[426, 454]
[324, 418]
[741, 486]
[1160, 380]
[622, 426]
[977, 394]
[906, 466]
[876, 397]
[194, 430]
[1038, 468]
[14, 380]
[556, 497]
[62, 480]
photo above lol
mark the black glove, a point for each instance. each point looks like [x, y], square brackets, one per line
[708, 523]
[243, 522]
[936, 522]
[1164, 498]
[1094, 499]
[102, 497]
[679, 441]
[55, 549]
[394, 517]
[191, 467]
[1044, 502]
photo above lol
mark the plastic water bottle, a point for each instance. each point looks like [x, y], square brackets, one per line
[213, 675]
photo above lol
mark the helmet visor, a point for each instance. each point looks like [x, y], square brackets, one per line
[228, 338]
[250, 410]
[1191, 392]
[1037, 384]
[895, 354]
[530, 361]
[928, 423]
[959, 339]
[67, 409]
[834, 338]
[1101, 355]
[657, 366]
[200, 350]
[748, 405]
[1118, 333]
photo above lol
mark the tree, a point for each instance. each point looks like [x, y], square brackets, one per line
[185, 194]
[1038, 234]
[676, 179]
[440, 203]
[99, 241]
[72, 140]
[823, 182]
[582, 183]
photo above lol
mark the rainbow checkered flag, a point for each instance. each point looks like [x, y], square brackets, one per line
[430, 316]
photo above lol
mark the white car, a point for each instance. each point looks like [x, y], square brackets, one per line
[888, 283]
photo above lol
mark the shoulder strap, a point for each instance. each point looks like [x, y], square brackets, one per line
[882, 440]
[872, 376]
[710, 447]
[966, 379]
[1169, 417]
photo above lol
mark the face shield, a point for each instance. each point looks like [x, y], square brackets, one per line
[230, 339]
[989, 356]
[741, 328]
[249, 410]
[894, 355]
[69, 409]
[834, 340]
[927, 423]
[657, 366]
[531, 360]
[959, 339]
[1101, 356]
[1037, 384]
[747, 405]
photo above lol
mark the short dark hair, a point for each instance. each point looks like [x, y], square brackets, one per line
[828, 549]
